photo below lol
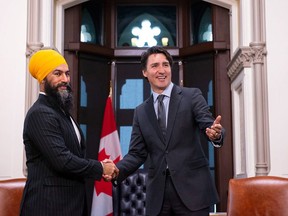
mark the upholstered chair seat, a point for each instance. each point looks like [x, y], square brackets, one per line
[10, 196]
[258, 196]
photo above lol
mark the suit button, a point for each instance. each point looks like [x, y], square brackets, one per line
[166, 152]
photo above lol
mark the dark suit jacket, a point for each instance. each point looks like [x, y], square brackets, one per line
[56, 163]
[188, 116]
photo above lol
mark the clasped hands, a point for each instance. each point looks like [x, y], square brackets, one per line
[214, 132]
[110, 171]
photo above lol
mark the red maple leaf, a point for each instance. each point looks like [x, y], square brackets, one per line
[102, 186]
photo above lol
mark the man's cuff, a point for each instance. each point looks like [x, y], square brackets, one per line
[217, 143]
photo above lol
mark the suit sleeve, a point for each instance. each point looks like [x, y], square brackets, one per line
[137, 151]
[204, 117]
[47, 137]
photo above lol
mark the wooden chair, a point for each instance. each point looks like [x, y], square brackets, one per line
[10, 196]
[258, 196]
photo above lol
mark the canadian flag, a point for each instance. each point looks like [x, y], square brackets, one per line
[109, 149]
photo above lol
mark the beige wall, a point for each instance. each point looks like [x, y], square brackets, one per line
[277, 59]
[13, 22]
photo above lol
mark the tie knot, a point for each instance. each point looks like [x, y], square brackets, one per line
[161, 97]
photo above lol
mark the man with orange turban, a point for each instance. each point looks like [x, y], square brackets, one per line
[54, 145]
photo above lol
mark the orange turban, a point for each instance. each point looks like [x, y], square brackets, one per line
[44, 62]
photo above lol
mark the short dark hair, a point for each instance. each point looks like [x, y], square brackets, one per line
[153, 50]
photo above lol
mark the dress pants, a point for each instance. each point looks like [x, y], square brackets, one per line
[173, 205]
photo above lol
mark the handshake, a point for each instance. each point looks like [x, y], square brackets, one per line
[110, 171]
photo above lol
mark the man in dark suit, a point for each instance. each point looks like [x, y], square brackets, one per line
[179, 181]
[54, 145]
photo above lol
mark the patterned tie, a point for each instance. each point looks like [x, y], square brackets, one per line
[161, 114]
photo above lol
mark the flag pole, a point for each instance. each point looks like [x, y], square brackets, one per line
[110, 90]
[112, 85]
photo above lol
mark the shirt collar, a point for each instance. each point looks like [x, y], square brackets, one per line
[166, 92]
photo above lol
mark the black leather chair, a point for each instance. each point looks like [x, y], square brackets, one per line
[129, 197]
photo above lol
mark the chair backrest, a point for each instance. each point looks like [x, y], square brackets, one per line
[258, 196]
[130, 196]
[11, 191]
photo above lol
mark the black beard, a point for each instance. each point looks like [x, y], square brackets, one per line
[63, 98]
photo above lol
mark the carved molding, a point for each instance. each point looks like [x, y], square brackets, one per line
[258, 51]
[246, 56]
[242, 58]
[33, 47]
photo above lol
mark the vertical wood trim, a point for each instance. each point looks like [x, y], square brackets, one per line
[110, 24]
[224, 155]
[181, 15]
[72, 34]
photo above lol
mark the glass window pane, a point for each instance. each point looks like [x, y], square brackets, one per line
[92, 23]
[131, 94]
[88, 31]
[205, 27]
[84, 130]
[201, 23]
[145, 26]
[83, 95]
[125, 134]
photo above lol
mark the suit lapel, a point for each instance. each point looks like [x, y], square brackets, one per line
[80, 146]
[175, 99]
[149, 109]
[51, 103]
[176, 96]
